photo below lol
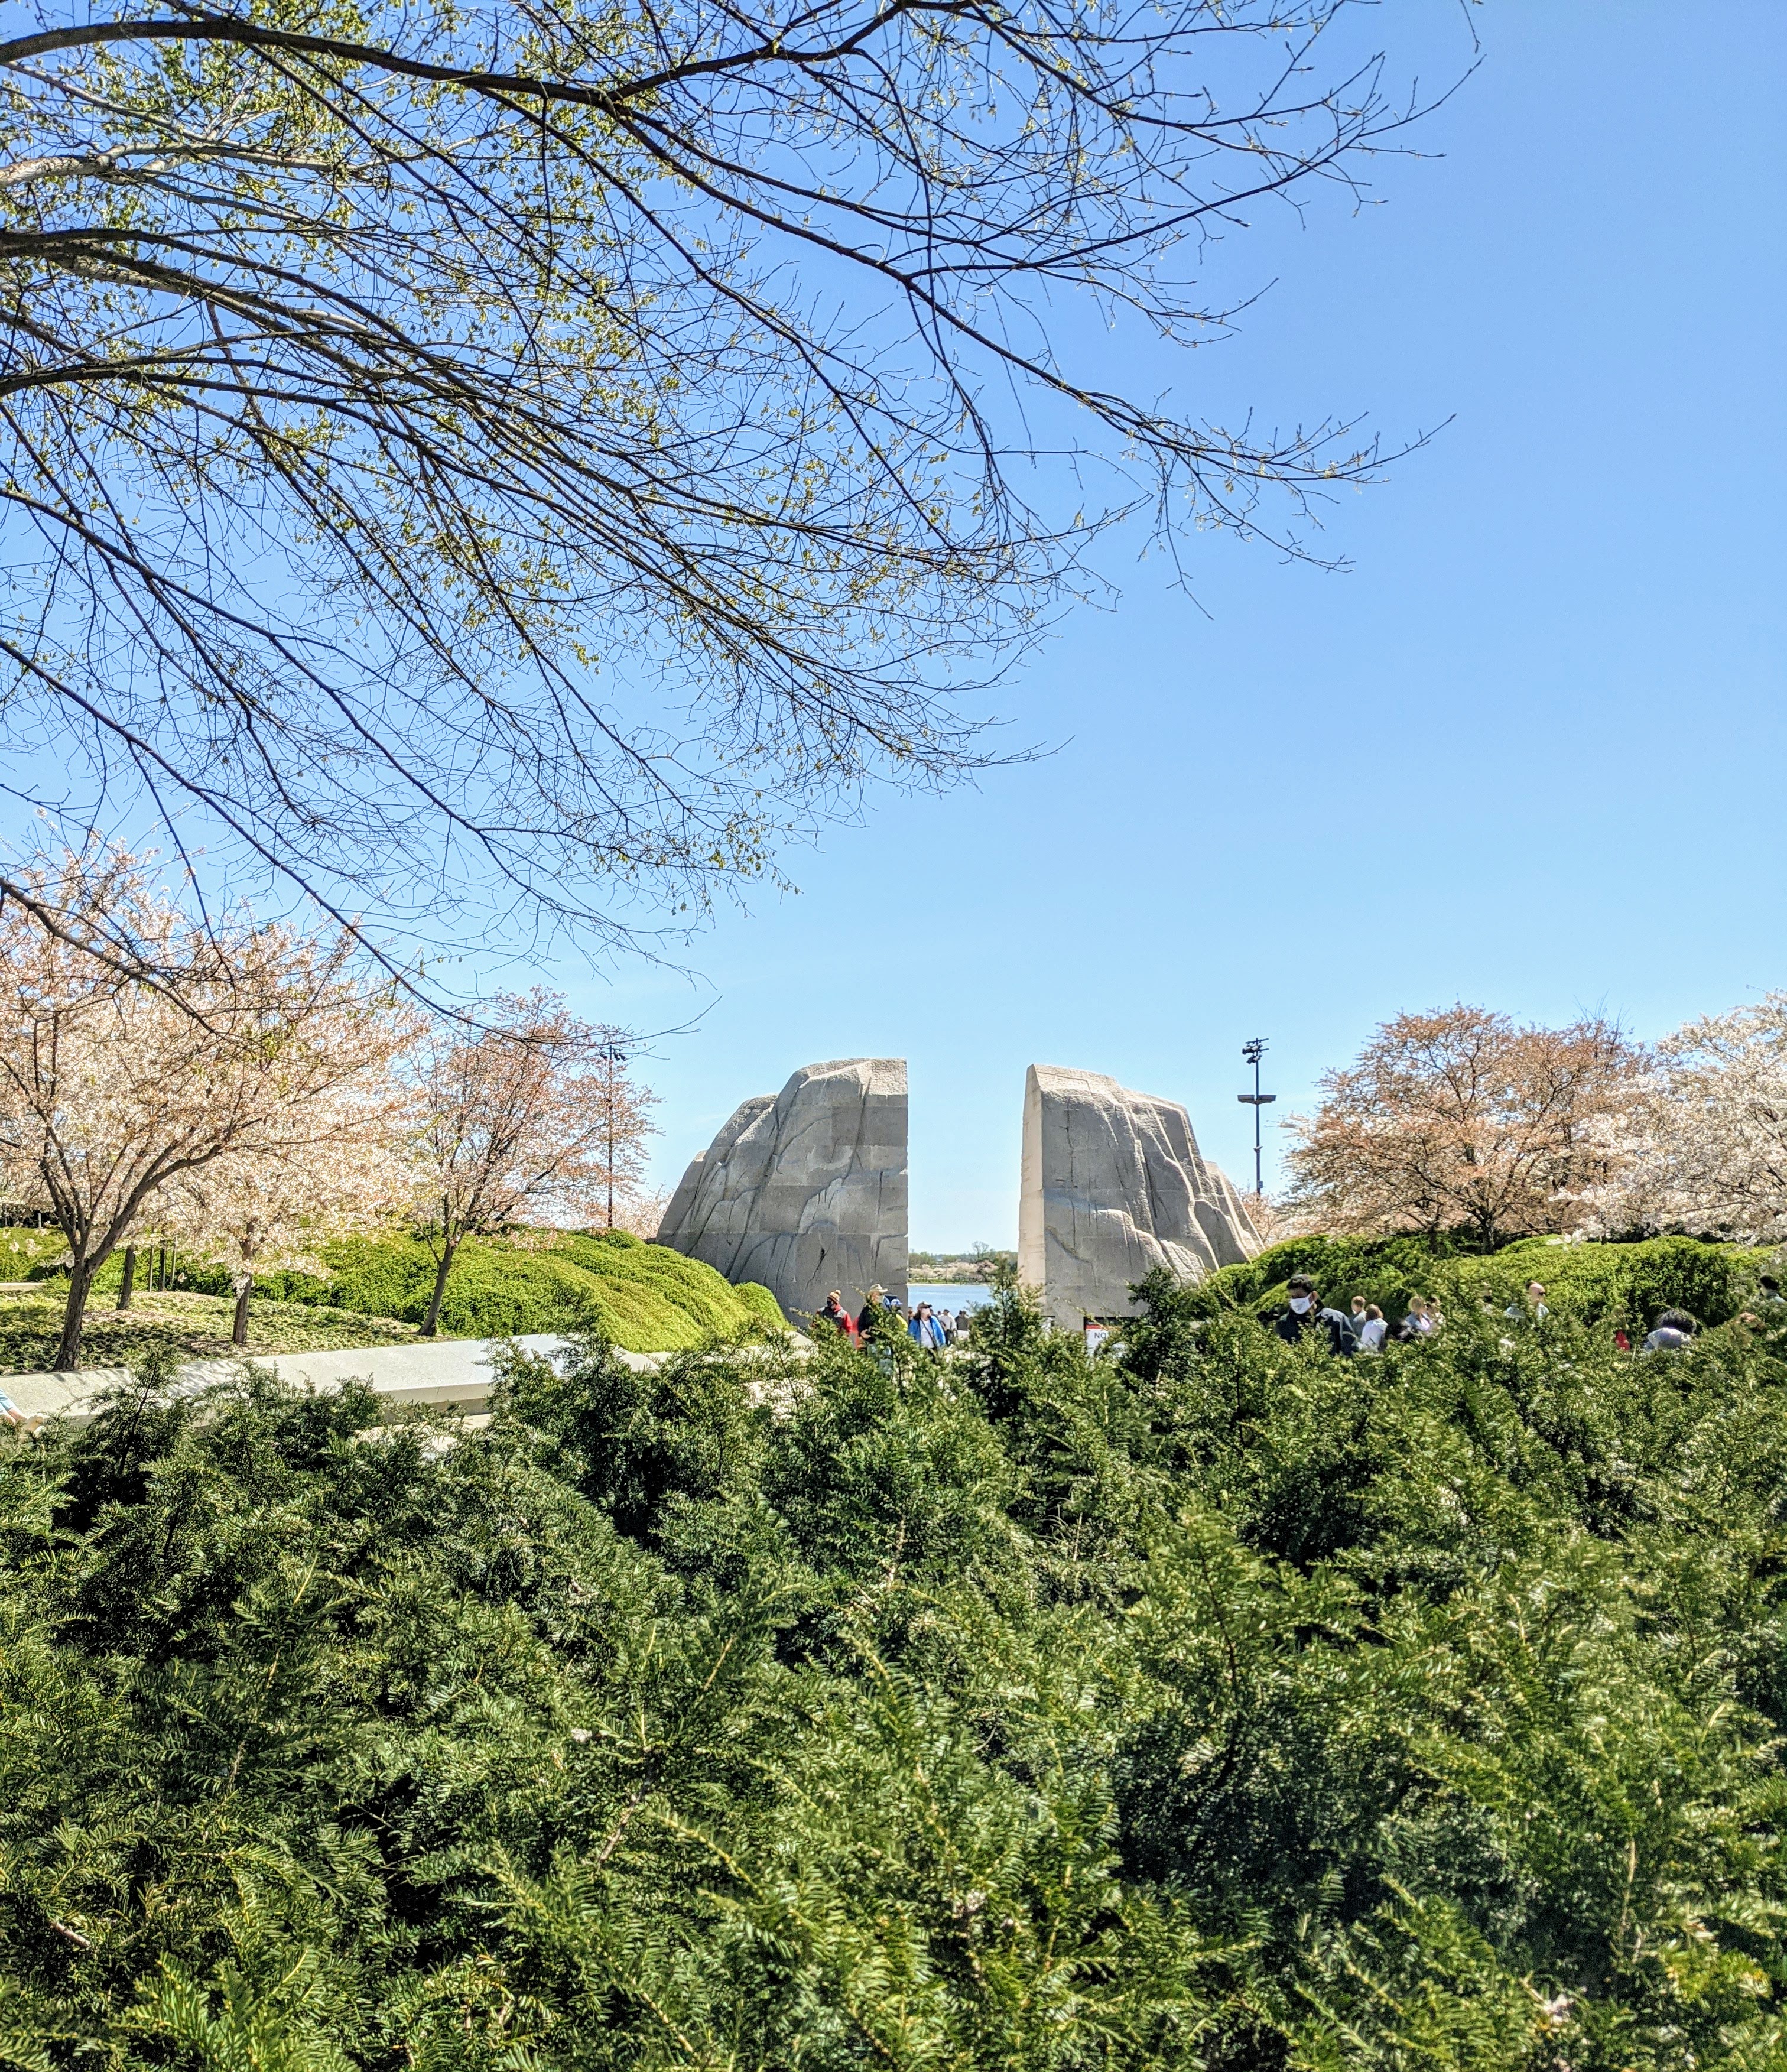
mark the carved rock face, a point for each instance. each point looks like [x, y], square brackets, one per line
[1113, 1186]
[805, 1190]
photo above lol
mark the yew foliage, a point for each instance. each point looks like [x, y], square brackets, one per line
[1222, 1707]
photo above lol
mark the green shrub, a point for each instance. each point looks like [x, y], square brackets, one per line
[1630, 1283]
[646, 1297]
[1626, 1285]
[27, 1253]
[1210, 1706]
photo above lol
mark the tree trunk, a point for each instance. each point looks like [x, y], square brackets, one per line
[431, 1322]
[80, 1280]
[238, 1331]
[127, 1285]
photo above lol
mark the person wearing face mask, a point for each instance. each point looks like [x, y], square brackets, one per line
[1305, 1313]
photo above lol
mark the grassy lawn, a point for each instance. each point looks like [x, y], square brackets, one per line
[195, 1326]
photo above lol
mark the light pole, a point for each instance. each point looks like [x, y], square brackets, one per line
[614, 1058]
[1253, 1050]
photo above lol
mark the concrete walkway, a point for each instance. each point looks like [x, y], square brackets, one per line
[454, 1371]
[57, 1395]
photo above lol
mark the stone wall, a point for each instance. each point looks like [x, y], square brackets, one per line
[805, 1190]
[1113, 1185]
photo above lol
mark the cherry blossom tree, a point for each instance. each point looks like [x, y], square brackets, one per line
[1462, 1119]
[534, 1111]
[115, 1087]
[325, 1167]
[1704, 1149]
[641, 1210]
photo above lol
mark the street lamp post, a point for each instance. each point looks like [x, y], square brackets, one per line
[1253, 1050]
[613, 1057]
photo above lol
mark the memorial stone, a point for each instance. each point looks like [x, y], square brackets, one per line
[805, 1190]
[1114, 1185]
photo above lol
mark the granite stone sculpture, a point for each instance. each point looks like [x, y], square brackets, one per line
[1113, 1186]
[805, 1190]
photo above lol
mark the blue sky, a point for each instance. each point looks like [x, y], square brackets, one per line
[1528, 752]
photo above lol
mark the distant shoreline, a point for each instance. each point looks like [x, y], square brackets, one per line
[958, 1297]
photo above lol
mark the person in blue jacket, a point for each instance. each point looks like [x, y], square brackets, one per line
[926, 1331]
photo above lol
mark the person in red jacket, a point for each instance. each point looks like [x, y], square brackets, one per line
[839, 1317]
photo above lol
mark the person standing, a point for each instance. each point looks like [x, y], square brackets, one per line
[1304, 1314]
[925, 1331]
[1419, 1323]
[839, 1317]
[1372, 1328]
[1533, 1308]
[875, 1306]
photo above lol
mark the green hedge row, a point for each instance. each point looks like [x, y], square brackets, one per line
[651, 1299]
[646, 1297]
[1210, 1705]
[1613, 1284]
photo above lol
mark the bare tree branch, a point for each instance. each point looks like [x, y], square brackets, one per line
[507, 471]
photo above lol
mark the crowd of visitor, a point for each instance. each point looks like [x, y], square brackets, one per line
[1366, 1328]
[931, 1329]
[1362, 1328]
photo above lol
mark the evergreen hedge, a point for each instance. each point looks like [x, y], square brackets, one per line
[1214, 1706]
[1614, 1284]
[645, 1297]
